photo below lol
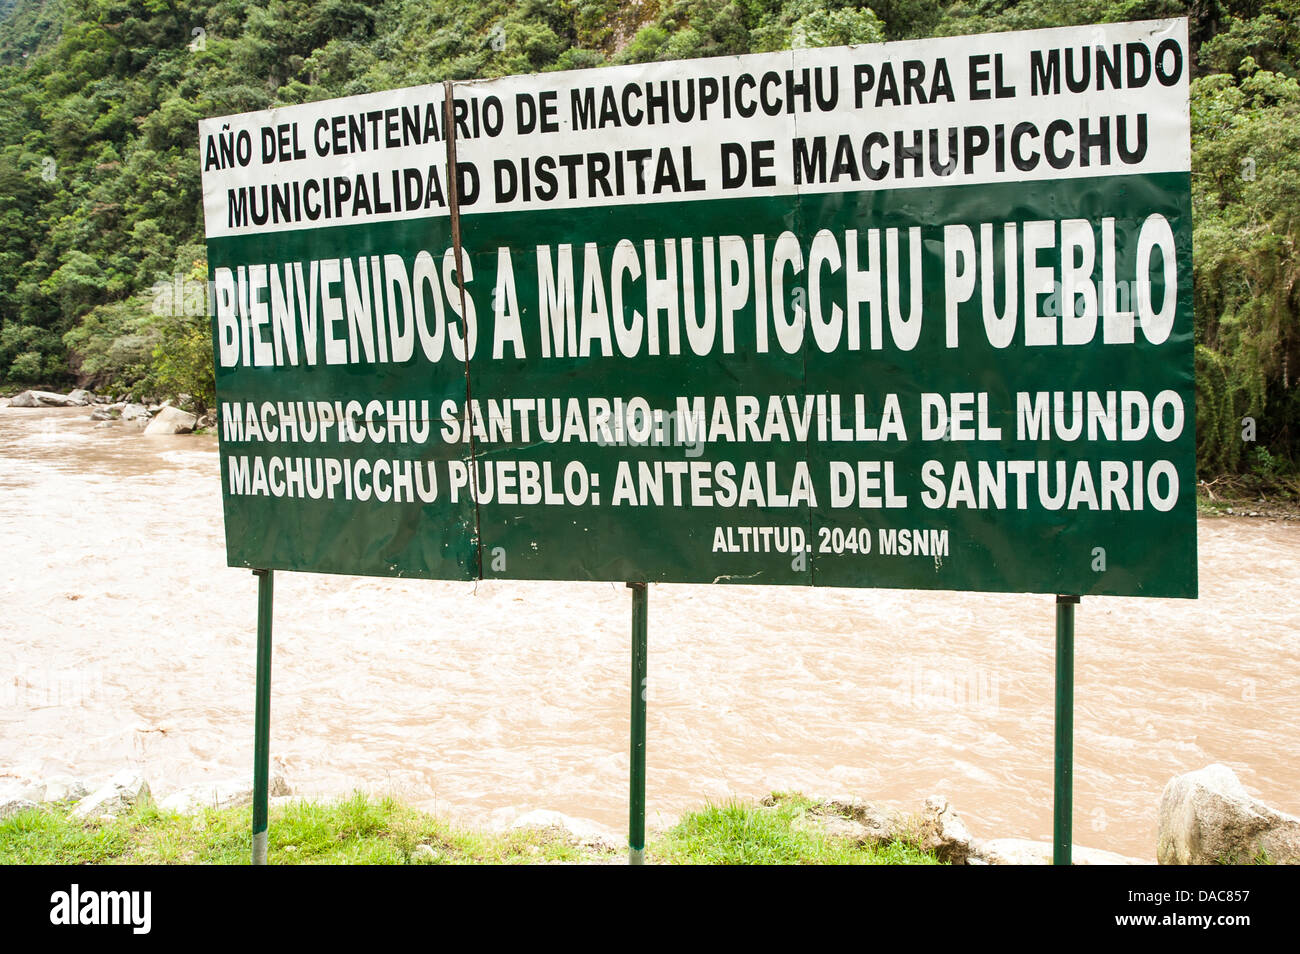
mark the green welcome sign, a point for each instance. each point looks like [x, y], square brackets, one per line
[901, 315]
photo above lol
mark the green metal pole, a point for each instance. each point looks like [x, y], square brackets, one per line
[1063, 819]
[262, 714]
[636, 811]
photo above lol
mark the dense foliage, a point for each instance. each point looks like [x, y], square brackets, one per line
[99, 178]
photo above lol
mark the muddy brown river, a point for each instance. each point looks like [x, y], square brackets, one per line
[127, 641]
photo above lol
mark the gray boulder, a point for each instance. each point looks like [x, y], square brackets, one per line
[1207, 817]
[135, 412]
[847, 816]
[1022, 851]
[936, 827]
[81, 396]
[118, 795]
[941, 830]
[56, 788]
[61, 788]
[171, 420]
[53, 399]
[42, 399]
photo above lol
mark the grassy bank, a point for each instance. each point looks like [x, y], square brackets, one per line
[382, 831]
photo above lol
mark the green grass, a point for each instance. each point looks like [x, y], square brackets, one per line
[1258, 857]
[737, 833]
[382, 831]
[1211, 508]
[359, 830]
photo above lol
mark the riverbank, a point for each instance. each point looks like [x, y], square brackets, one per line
[1244, 495]
[385, 831]
[1206, 817]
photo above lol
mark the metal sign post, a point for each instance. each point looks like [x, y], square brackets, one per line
[262, 714]
[636, 810]
[1063, 818]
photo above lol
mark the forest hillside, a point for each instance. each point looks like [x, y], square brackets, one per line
[99, 170]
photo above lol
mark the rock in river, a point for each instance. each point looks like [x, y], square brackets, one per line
[115, 797]
[44, 399]
[170, 420]
[1207, 817]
